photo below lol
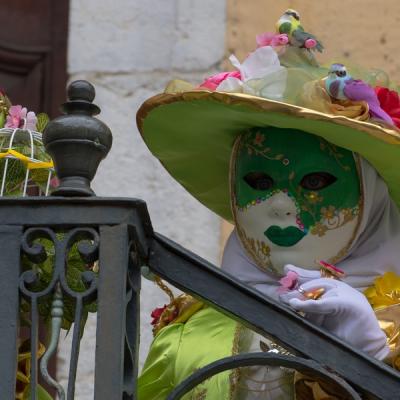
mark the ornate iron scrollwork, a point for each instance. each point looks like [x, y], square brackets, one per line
[263, 359]
[132, 323]
[35, 245]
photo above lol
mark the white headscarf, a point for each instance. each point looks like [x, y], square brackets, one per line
[374, 251]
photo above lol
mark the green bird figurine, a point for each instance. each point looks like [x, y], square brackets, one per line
[289, 23]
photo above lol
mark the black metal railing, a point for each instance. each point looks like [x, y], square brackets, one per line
[114, 238]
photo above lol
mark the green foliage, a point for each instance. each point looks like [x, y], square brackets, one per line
[2, 119]
[42, 121]
[41, 393]
[74, 268]
[15, 177]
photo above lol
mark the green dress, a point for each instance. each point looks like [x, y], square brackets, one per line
[179, 349]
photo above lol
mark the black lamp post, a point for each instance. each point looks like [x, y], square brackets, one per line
[77, 141]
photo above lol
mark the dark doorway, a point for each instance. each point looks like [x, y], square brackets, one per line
[33, 53]
[33, 66]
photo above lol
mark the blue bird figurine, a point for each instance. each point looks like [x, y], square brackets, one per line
[341, 86]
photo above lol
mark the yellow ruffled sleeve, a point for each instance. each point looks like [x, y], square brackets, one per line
[384, 297]
[158, 375]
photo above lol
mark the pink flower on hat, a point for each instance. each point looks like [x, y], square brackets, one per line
[213, 81]
[272, 39]
[19, 117]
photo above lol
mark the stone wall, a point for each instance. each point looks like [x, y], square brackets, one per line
[130, 49]
[361, 32]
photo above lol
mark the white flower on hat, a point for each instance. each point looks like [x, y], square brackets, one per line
[261, 75]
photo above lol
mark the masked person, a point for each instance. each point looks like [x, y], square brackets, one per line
[302, 159]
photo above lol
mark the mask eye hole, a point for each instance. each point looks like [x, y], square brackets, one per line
[259, 180]
[317, 180]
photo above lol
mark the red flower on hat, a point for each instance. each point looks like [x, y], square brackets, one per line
[390, 102]
[156, 314]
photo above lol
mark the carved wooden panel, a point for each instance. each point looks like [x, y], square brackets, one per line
[33, 49]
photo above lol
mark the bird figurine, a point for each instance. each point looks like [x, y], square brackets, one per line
[341, 86]
[336, 81]
[289, 23]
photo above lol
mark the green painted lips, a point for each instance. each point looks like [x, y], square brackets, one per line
[284, 237]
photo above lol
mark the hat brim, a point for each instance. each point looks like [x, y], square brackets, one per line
[192, 134]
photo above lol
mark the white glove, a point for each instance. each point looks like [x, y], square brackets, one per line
[341, 310]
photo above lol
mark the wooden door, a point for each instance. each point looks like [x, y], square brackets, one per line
[33, 50]
[33, 66]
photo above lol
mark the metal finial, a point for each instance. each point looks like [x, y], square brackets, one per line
[77, 141]
[80, 99]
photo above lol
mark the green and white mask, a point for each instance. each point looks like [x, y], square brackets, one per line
[295, 198]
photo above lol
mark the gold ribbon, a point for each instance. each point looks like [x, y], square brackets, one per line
[24, 368]
[26, 160]
[316, 97]
[310, 388]
[179, 310]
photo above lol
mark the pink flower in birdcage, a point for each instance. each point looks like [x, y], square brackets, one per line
[19, 117]
[54, 182]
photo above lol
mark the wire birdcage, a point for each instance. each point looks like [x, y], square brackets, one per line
[25, 167]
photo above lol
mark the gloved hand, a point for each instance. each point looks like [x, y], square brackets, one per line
[341, 310]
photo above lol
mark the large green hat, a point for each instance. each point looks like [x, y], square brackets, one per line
[192, 132]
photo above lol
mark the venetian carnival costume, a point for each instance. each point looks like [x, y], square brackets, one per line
[303, 160]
